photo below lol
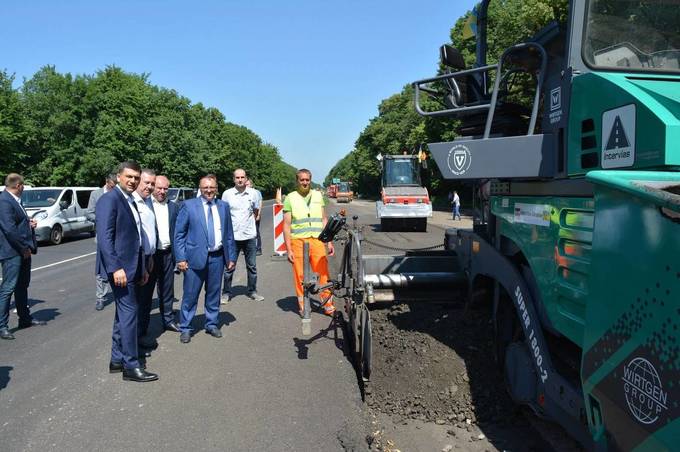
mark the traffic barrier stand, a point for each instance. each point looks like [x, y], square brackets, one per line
[279, 242]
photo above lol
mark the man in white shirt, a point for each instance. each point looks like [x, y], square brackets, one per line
[455, 201]
[258, 195]
[162, 276]
[244, 208]
[142, 199]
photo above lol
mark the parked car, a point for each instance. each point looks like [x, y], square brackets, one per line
[59, 211]
[180, 194]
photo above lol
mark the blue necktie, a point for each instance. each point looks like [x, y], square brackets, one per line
[211, 227]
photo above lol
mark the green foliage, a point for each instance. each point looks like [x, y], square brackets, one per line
[12, 127]
[64, 130]
[398, 127]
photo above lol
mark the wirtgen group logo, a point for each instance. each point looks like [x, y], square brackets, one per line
[459, 159]
[644, 393]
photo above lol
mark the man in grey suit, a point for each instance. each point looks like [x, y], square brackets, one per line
[103, 287]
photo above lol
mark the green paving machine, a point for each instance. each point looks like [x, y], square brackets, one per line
[577, 231]
[571, 143]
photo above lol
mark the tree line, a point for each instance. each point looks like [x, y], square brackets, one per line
[60, 129]
[398, 127]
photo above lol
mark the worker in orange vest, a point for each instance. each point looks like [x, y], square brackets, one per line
[304, 217]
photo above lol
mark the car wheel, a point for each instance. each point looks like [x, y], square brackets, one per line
[56, 234]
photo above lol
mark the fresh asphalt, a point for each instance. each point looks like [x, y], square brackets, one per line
[263, 386]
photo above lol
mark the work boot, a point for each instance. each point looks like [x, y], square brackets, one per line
[328, 306]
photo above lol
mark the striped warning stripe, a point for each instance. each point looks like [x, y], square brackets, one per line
[279, 243]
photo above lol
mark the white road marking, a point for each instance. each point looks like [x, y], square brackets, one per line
[63, 262]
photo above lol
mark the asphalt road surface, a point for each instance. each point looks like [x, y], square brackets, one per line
[263, 386]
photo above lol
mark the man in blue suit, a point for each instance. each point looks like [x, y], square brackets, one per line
[17, 243]
[162, 274]
[119, 259]
[204, 245]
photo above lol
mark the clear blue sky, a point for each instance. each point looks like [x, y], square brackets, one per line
[305, 75]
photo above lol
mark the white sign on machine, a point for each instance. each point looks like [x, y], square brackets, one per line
[536, 214]
[618, 137]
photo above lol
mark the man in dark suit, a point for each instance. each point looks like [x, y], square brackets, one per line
[17, 243]
[120, 259]
[162, 274]
[204, 245]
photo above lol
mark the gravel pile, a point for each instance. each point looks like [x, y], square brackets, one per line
[434, 363]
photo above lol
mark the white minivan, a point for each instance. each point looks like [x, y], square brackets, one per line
[59, 211]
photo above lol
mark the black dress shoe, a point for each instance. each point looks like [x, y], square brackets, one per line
[185, 337]
[138, 374]
[99, 306]
[5, 334]
[172, 326]
[214, 332]
[32, 322]
[144, 353]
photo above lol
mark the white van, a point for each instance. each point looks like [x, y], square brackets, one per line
[59, 211]
[180, 194]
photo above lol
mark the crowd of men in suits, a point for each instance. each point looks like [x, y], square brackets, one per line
[143, 240]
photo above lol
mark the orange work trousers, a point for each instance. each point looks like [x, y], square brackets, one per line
[319, 264]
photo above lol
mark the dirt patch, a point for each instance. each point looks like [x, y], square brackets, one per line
[435, 383]
[432, 363]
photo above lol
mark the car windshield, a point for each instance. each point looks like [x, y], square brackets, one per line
[633, 35]
[39, 198]
[401, 172]
[343, 187]
[172, 193]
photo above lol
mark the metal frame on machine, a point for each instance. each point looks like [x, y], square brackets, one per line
[350, 286]
[555, 396]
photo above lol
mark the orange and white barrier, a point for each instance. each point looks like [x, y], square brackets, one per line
[279, 243]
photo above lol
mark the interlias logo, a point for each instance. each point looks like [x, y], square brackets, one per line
[459, 159]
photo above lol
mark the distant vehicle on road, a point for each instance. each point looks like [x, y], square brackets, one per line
[404, 203]
[180, 194]
[344, 193]
[332, 190]
[59, 211]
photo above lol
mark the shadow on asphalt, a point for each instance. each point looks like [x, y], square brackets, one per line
[46, 315]
[288, 304]
[238, 290]
[225, 318]
[4, 376]
[31, 302]
[156, 326]
[334, 327]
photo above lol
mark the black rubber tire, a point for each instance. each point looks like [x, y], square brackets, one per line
[56, 234]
